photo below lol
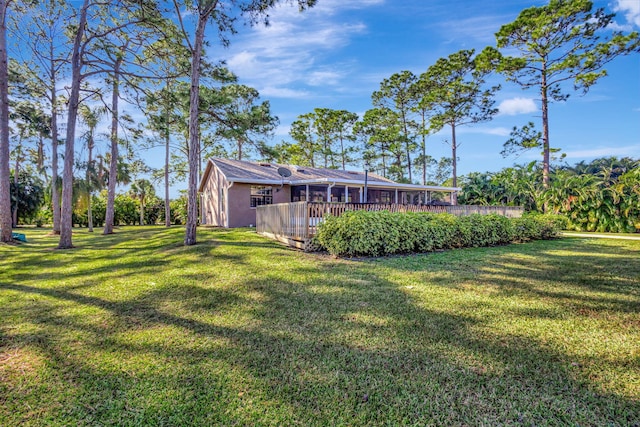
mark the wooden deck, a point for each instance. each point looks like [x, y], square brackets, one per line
[295, 223]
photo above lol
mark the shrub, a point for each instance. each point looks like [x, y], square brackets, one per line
[538, 226]
[362, 233]
[179, 210]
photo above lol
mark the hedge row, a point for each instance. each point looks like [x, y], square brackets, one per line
[363, 233]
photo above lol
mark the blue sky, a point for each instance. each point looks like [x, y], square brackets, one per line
[337, 53]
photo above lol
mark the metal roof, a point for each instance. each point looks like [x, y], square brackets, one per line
[267, 174]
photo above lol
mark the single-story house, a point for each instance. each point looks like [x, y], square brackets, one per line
[231, 190]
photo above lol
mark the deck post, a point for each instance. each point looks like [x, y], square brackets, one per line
[306, 221]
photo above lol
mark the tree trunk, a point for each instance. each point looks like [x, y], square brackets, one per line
[407, 146]
[545, 132]
[194, 140]
[89, 165]
[66, 214]
[141, 211]
[454, 163]
[344, 155]
[89, 212]
[424, 150]
[55, 194]
[167, 206]
[113, 164]
[40, 155]
[16, 173]
[5, 192]
[384, 166]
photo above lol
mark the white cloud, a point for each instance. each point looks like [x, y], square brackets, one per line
[631, 10]
[324, 78]
[281, 92]
[499, 131]
[479, 29]
[514, 106]
[288, 51]
[614, 26]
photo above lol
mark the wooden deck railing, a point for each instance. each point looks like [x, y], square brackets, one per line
[297, 221]
[288, 220]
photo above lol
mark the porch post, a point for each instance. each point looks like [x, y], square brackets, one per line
[306, 193]
[396, 196]
[346, 194]
[360, 194]
[329, 187]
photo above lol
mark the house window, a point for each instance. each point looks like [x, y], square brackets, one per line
[299, 193]
[317, 193]
[261, 195]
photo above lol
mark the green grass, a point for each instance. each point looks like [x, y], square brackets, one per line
[135, 329]
[603, 234]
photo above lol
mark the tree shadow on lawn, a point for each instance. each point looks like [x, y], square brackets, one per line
[107, 258]
[344, 344]
[599, 277]
[610, 274]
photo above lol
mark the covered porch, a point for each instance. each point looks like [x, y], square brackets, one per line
[332, 191]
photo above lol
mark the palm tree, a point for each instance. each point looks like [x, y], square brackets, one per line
[91, 118]
[142, 189]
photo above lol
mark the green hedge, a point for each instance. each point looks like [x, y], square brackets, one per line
[363, 233]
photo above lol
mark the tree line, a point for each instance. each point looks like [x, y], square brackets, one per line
[76, 65]
[602, 195]
[561, 47]
[77, 61]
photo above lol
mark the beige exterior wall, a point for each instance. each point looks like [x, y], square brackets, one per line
[213, 211]
[237, 201]
[241, 214]
[281, 194]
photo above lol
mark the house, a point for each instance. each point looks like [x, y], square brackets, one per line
[231, 190]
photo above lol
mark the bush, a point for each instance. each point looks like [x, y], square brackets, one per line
[178, 210]
[362, 233]
[538, 226]
[153, 210]
[126, 210]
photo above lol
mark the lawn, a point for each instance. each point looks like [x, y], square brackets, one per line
[136, 329]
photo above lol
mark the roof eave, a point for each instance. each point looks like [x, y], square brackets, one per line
[380, 184]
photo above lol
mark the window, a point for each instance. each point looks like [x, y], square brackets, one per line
[261, 195]
[299, 193]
